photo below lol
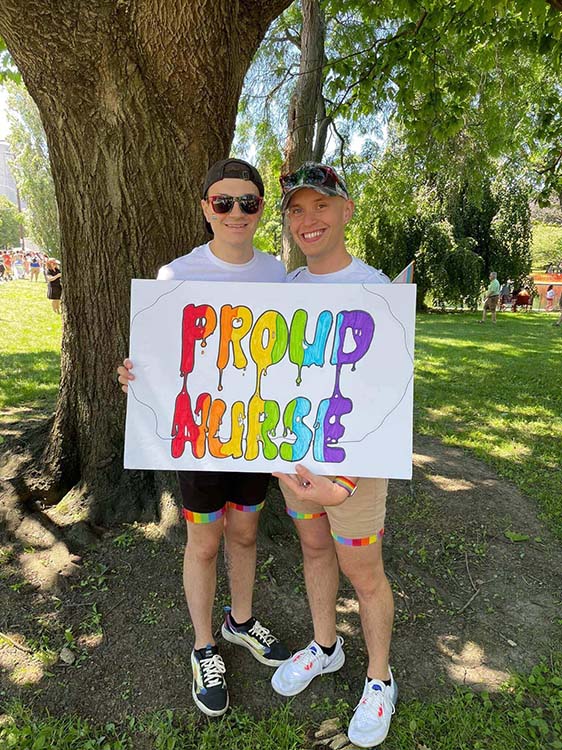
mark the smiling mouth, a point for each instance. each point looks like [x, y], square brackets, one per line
[312, 236]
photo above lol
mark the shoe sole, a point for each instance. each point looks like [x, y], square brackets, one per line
[205, 709]
[232, 638]
[332, 668]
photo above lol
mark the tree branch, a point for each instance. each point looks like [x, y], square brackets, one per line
[342, 145]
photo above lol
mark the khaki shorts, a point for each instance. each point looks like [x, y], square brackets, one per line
[356, 522]
[491, 302]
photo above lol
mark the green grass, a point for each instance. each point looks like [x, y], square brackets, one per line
[546, 245]
[163, 731]
[496, 391]
[29, 349]
[526, 715]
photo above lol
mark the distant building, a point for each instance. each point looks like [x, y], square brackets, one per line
[7, 182]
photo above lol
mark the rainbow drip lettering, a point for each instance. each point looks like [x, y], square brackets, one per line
[266, 341]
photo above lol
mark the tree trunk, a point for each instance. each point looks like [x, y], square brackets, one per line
[304, 108]
[137, 99]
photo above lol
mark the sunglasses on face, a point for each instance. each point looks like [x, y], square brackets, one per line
[315, 174]
[223, 204]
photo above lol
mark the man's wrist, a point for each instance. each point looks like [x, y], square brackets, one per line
[347, 484]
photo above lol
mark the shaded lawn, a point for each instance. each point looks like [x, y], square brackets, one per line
[497, 391]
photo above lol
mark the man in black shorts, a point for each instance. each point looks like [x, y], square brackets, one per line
[223, 503]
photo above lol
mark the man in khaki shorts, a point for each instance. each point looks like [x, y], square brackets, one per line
[339, 520]
[357, 529]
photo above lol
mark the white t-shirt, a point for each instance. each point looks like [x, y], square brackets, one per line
[201, 265]
[356, 272]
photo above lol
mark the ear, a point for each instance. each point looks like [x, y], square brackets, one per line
[206, 210]
[348, 210]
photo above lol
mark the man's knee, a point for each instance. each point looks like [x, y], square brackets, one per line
[242, 533]
[317, 543]
[366, 577]
[203, 545]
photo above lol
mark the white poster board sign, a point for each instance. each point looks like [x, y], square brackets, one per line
[258, 377]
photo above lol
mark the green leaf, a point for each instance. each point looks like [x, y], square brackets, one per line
[515, 536]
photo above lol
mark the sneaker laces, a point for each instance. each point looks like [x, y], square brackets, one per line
[373, 702]
[212, 668]
[312, 653]
[263, 634]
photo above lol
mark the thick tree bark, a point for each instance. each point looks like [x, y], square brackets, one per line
[304, 108]
[138, 98]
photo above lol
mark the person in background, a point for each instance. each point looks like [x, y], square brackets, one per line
[505, 296]
[8, 265]
[54, 284]
[34, 268]
[492, 297]
[521, 299]
[18, 267]
[550, 294]
[559, 321]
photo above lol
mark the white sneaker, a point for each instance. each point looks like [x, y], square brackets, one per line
[371, 720]
[297, 673]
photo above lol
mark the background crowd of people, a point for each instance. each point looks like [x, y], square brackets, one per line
[18, 264]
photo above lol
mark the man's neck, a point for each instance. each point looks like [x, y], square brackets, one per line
[329, 264]
[235, 254]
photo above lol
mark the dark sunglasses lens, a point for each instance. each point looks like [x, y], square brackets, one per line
[250, 204]
[288, 181]
[315, 176]
[222, 204]
[305, 176]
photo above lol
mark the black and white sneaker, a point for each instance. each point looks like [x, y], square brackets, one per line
[259, 641]
[209, 689]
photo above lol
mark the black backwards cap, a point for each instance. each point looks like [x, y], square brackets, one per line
[235, 168]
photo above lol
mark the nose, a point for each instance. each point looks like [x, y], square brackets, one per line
[308, 216]
[236, 210]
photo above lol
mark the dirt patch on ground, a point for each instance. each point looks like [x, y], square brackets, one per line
[477, 579]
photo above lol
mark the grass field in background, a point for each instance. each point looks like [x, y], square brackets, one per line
[29, 349]
[546, 245]
[493, 390]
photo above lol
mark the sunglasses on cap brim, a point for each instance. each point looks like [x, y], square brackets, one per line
[314, 175]
[223, 204]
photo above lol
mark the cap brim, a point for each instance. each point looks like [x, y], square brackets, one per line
[319, 189]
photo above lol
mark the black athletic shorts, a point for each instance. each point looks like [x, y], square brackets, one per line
[207, 495]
